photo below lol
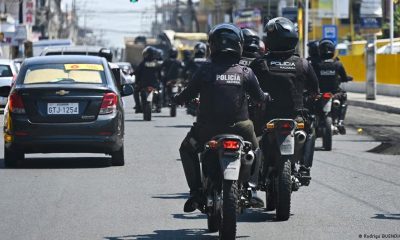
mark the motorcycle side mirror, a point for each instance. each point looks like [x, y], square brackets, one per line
[5, 91]
[126, 90]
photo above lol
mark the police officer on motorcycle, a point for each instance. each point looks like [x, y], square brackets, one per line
[147, 74]
[285, 75]
[251, 47]
[331, 74]
[222, 85]
[199, 59]
[172, 69]
[251, 51]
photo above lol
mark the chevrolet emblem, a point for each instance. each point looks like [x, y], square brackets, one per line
[62, 92]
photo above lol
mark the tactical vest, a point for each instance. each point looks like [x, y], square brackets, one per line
[327, 76]
[284, 81]
[223, 97]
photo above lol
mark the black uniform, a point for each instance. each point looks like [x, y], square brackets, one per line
[331, 74]
[285, 77]
[193, 65]
[223, 109]
[148, 74]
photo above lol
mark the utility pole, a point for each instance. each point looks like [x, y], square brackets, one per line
[306, 20]
[391, 25]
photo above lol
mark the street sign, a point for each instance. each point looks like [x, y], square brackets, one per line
[330, 32]
[371, 23]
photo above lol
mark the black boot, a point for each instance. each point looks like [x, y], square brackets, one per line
[193, 203]
[341, 128]
[304, 175]
[255, 200]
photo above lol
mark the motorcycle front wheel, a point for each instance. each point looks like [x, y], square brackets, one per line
[229, 210]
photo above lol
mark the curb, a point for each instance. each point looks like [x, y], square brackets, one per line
[374, 106]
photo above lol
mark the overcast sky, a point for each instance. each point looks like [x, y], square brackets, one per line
[119, 15]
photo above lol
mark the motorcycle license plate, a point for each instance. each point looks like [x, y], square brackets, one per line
[328, 106]
[175, 89]
[150, 97]
[287, 146]
[230, 167]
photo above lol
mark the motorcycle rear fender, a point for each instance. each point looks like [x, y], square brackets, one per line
[327, 106]
[230, 165]
[286, 142]
[150, 96]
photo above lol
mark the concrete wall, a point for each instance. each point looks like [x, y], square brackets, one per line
[387, 71]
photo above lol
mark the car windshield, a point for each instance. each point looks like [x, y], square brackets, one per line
[65, 73]
[5, 71]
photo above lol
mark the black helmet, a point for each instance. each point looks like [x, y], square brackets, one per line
[173, 53]
[159, 54]
[149, 53]
[313, 48]
[226, 38]
[281, 34]
[326, 48]
[251, 42]
[200, 50]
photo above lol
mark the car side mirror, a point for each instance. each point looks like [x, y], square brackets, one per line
[5, 91]
[127, 90]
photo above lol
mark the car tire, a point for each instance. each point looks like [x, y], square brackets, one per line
[12, 158]
[117, 157]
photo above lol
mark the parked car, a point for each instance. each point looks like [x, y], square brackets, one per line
[386, 49]
[8, 73]
[18, 63]
[64, 104]
[127, 71]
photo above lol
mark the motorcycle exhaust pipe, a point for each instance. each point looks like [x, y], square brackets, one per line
[300, 136]
[249, 157]
[336, 103]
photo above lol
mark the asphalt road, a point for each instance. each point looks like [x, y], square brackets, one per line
[79, 196]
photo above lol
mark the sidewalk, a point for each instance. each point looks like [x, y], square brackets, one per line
[382, 103]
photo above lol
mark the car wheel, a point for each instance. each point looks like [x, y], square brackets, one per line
[12, 158]
[117, 157]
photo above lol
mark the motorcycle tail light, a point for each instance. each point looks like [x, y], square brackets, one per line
[287, 126]
[212, 144]
[231, 145]
[150, 89]
[327, 96]
[300, 125]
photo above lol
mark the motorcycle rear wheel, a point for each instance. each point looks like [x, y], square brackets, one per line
[172, 111]
[327, 134]
[283, 191]
[147, 111]
[229, 210]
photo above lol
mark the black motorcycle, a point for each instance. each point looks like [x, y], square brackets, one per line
[226, 166]
[282, 144]
[175, 87]
[150, 102]
[324, 121]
